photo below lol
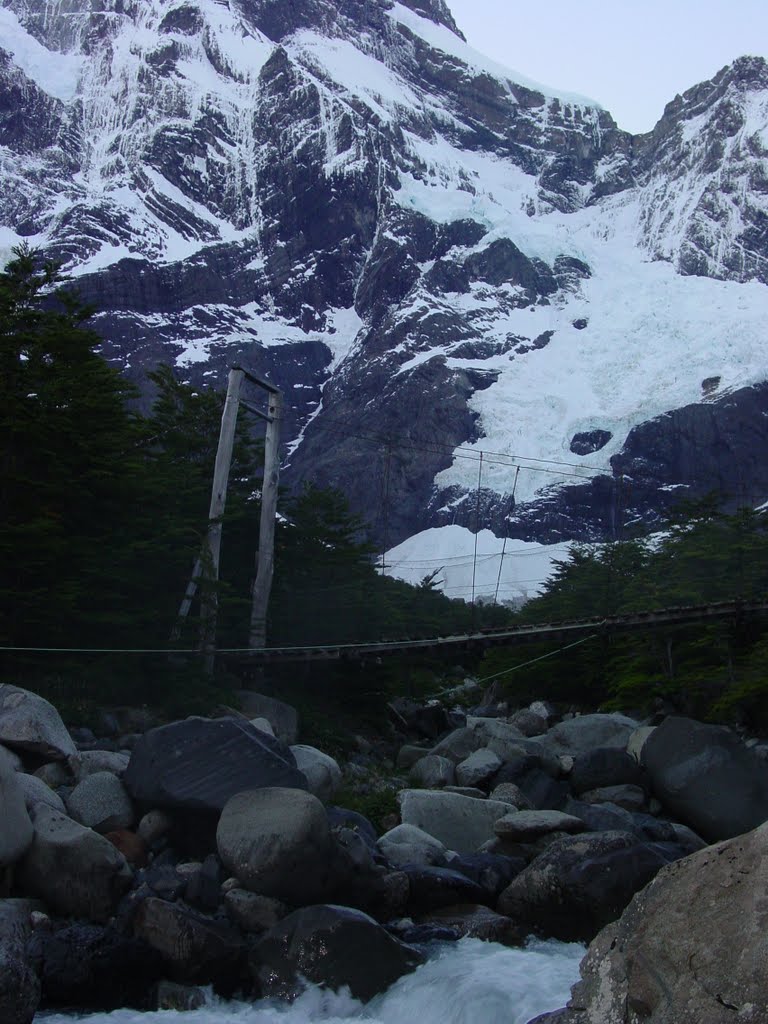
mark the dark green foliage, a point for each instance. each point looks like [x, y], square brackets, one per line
[103, 513]
[710, 669]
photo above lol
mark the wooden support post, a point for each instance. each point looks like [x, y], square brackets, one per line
[212, 547]
[266, 553]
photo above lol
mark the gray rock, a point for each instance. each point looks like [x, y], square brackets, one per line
[510, 793]
[28, 722]
[458, 744]
[321, 771]
[529, 722]
[689, 949]
[478, 768]
[19, 984]
[283, 718]
[199, 949]
[154, 825]
[433, 772]
[706, 778]
[35, 791]
[323, 944]
[472, 791]
[586, 732]
[461, 823]
[407, 844]
[637, 739]
[92, 761]
[198, 764]
[509, 743]
[16, 830]
[603, 766]
[580, 883]
[101, 802]
[11, 758]
[252, 912]
[73, 869]
[54, 775]
[527, 826]
[475, 921]
[278, 843]
[263, 725]
[408, 755]
[631, 798]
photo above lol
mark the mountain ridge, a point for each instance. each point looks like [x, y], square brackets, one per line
[432, 259]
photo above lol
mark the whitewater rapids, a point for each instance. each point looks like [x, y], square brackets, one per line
[468, 982]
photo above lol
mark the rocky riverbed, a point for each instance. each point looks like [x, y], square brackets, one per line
[141, 866]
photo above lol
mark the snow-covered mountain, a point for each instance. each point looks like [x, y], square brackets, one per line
[433, 257]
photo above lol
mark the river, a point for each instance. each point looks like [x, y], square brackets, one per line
[468, 982]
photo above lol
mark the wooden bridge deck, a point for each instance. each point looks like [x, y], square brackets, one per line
[635, 621]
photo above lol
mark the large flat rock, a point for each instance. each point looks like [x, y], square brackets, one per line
[461, 823]
[199, 763]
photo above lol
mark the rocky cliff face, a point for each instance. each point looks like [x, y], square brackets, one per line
[434, 259]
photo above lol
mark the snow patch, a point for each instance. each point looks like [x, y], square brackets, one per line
[57, 74]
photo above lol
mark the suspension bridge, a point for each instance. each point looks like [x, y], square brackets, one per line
[509, 636]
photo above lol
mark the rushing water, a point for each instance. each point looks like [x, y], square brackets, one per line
[468, 982]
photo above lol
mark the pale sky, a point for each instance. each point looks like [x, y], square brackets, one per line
[632, 56]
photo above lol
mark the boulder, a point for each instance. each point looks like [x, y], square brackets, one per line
[585, 732]
[154, 825]
[529, 722]
[426, 720]
[706, 778]
[458, 745]
[691, 948]
[407, 844]
[11, 758]
[431, 888]
[16, 829]
[263, 725]
[277, 842]
[54, 774]
[91, 761]
[539, 786]
[478, 768]
[509, 744]
[195, 949]
[251, 912]
[461, 823]
[321, 771]
[100, 802]
[491, 871]
[283, 718]
[510, 793]
[527, 826]
[408, 755]
[29, 723]
[604, 766]
[323, 944]
[73, 869]
[631, 798]
[132, 847]
[433, 772]
[19, 984]
[637, 739]
[474, 921]
[198, 764]
[472, 791]
[580, 883]
[35, 791]
[89, 966]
